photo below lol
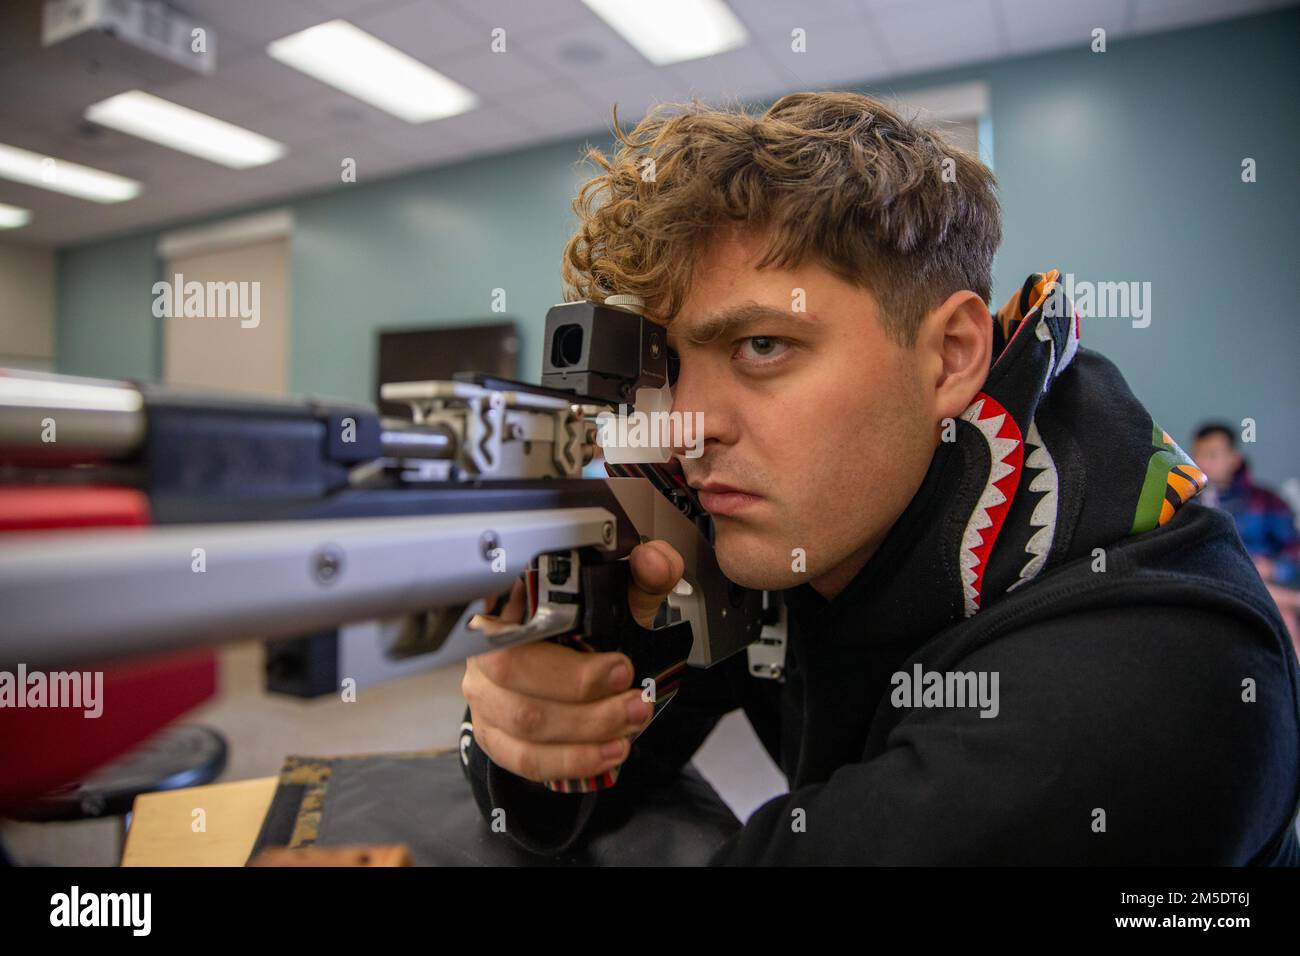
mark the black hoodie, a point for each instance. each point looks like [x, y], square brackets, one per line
[1131, 693]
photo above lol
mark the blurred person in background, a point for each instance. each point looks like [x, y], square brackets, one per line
[1264, 520]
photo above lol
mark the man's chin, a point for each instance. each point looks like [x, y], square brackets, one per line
[752, 561]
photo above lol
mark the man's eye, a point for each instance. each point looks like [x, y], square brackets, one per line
[761, 349]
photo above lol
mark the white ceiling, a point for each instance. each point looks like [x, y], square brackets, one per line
[562, 71]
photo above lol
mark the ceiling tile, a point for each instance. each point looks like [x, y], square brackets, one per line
[425, 29]
[217, 96]
[524, 16]
[326, 116]
[257, 76]
[767, 16]
[743, 74]
[496, 75]
[1068, 24]
[634, 92]
[587, 51]
[831, 52]
[498, 130]
[559, 112]
[105, 149]
[346, 9]
[245, 26]
[256, 19]
[52, 90]
[430, 152]
[925, 34]
[1168, 14]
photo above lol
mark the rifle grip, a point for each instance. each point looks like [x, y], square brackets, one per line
[658, 656]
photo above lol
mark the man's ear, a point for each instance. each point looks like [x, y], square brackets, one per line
[956, 340]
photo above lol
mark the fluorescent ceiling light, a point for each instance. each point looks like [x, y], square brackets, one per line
[360, 65]
[46, 172]
[670, 31]
[11, 217]
[142, 114]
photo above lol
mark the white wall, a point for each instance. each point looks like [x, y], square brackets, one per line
[26, 306]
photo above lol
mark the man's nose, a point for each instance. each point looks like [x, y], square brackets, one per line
[704, 407]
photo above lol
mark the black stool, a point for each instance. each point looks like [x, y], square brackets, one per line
[183, 756]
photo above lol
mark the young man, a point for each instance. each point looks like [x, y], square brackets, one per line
[981, 506]
[1264, 520]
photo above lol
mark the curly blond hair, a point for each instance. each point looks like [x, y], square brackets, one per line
[836, 178]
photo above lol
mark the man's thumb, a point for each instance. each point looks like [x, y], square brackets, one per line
[656, 569]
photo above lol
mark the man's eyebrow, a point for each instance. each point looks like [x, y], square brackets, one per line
[734, 320]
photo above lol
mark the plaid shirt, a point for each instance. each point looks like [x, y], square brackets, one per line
[1266, 525]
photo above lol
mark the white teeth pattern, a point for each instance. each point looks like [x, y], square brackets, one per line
[1071, 344]
[1045, 335]
[1038, 459]
[991, 497]
[1071, 341]
[1044, 516]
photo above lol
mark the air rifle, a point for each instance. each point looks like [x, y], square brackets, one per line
[271, 519]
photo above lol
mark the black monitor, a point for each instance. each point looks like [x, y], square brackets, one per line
[421, 354]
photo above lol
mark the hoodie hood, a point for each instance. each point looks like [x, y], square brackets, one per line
[1053, 459]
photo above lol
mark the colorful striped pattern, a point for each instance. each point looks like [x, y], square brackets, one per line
[1172, 480]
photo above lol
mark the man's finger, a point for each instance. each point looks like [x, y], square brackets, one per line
[512, 611]
[554, 672]
[542, 762]
[656, 569]
[540, 721]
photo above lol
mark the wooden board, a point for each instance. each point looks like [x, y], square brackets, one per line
[165, 826]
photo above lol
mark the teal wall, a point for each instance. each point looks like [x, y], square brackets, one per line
[1122, 166]
[1127, 166]
[428, 249]
[104, 324]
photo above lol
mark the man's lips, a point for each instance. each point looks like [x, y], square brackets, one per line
[720, 499]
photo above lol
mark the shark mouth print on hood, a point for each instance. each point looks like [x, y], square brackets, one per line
[1060, 457]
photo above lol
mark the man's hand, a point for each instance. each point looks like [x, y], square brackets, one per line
[548, 712]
